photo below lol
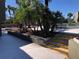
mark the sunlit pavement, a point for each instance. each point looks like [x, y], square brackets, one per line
[14, 48]
[72, 31]
[39, 52]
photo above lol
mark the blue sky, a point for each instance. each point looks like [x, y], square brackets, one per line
[11, 2]
[65, 6]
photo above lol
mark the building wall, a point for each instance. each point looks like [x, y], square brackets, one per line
[2, 11]
[76, 17]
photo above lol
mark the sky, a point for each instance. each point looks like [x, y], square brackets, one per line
[65, 6]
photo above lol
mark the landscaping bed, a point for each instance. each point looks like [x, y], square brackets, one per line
[56, 38]
[56, 41]
[37, 37]
[19, 35]
[31, 38]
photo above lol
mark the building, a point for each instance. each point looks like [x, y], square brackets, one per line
[76, 17]
[2, 11]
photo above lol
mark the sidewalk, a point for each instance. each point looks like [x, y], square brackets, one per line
[39, 52]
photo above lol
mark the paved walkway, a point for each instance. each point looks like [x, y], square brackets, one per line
[39, 52]
[71, 31]
[14, 48]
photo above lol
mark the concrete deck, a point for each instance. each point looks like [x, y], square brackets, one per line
[39, 52]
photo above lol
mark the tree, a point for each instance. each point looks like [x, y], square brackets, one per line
[36, 13]
[47, 3]
[56, 19]
[45, 19]
[9, 10]
[69, 17]
[14, 10]
[31, 9]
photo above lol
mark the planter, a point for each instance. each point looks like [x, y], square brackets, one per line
[39, 40]
[32, 38]
[19, 35]
[74, 48]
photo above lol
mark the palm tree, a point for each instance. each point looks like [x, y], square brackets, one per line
[46, 14]
[9, 10]
[47, 3]
[17, 1]
[14, 10]
[25, 7]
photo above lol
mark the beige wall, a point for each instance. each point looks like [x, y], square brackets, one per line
[73, 49]
[76, 17]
